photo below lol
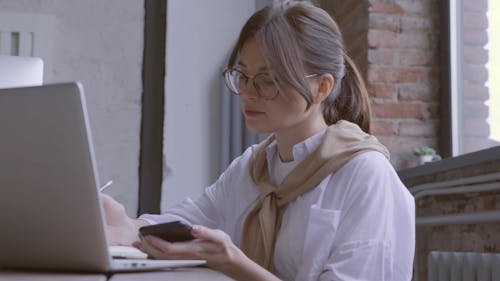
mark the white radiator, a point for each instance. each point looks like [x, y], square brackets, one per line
[463, 266]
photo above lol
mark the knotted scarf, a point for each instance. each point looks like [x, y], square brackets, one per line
[341, 142]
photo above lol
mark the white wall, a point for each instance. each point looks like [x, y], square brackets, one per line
[101, 44]
[200, 35]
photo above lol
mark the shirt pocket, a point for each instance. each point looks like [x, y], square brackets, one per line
[321, 228]
[360, 260]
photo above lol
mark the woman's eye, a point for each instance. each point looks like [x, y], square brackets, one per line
[267, 82]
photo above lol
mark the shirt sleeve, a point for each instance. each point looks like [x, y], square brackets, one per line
[375, 236]
[210, 208]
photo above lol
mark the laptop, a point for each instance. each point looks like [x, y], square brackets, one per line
[50, 212]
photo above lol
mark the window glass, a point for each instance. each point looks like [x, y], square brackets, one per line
[475, 63]
[493, 67]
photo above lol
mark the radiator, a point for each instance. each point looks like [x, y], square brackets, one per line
[463, 266]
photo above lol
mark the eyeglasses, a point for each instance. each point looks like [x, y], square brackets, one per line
[265, 86]
[263, 83]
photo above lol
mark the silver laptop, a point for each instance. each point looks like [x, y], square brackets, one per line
[50, 212]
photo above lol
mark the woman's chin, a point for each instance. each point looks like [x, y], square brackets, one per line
[258, 128]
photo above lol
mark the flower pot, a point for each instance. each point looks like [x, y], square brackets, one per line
[428, 158]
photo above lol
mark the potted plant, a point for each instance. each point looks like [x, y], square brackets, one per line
[426, 154]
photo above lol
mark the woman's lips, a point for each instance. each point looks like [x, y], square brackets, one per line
[250, 113]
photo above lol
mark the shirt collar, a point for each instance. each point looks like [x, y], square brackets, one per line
[300, 150]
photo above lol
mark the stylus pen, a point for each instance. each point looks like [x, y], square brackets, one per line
[108, 184]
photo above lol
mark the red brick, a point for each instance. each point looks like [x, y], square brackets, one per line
[474, 21]
[384, 22]
[382, 56]
[387, 8]
[474, 109]
[388, 39]
[475, 54]
[413, 57]
[416, 22]
[476, 127]
[418, 129]
[475, 73]
[416, 7]
[475, 91]
[383, 128]
[397, 110]
[378, 39]
[475, 37]
[417, 92]
[382, 90]
[401, 75]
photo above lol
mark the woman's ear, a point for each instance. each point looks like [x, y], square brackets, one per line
[325, 86]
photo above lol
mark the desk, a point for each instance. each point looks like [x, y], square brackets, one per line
[180, 274]
[48, 276]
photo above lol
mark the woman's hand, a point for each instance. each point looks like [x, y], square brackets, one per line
[121, 229]
[212, 245]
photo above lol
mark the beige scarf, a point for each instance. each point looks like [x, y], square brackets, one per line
[341, 142]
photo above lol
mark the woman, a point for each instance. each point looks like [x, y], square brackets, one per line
[318, 199]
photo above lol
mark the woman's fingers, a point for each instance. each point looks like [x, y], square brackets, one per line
[152, 251]
[161, 249]
[121, 229]
[204, 233]
[139, 246]
[211, 245]
[114, 212]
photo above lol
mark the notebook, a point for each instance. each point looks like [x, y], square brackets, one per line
[50, 209]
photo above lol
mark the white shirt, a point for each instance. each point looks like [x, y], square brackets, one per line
[357, 224]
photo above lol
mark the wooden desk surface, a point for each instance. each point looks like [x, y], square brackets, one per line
[49, 276]
[180, 274]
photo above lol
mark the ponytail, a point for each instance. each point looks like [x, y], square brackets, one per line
[352, 102]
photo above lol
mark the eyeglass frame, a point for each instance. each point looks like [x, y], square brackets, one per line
[226, 72]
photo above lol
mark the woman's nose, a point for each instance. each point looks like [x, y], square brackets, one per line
[249, 91]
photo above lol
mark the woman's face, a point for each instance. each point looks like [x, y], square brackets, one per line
[287, 111]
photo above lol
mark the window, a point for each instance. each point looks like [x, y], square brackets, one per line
[474, 61]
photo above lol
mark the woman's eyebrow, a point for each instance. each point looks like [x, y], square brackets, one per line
[264, 68]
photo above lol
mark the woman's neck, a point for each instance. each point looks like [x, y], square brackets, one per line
[286, 139]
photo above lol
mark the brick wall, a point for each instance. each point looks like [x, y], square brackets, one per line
[352, 16]
[474, 74]
[395, 43]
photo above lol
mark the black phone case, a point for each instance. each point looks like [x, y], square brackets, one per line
[175, 231]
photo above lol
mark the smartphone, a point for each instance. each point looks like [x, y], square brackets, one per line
[175, 231]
